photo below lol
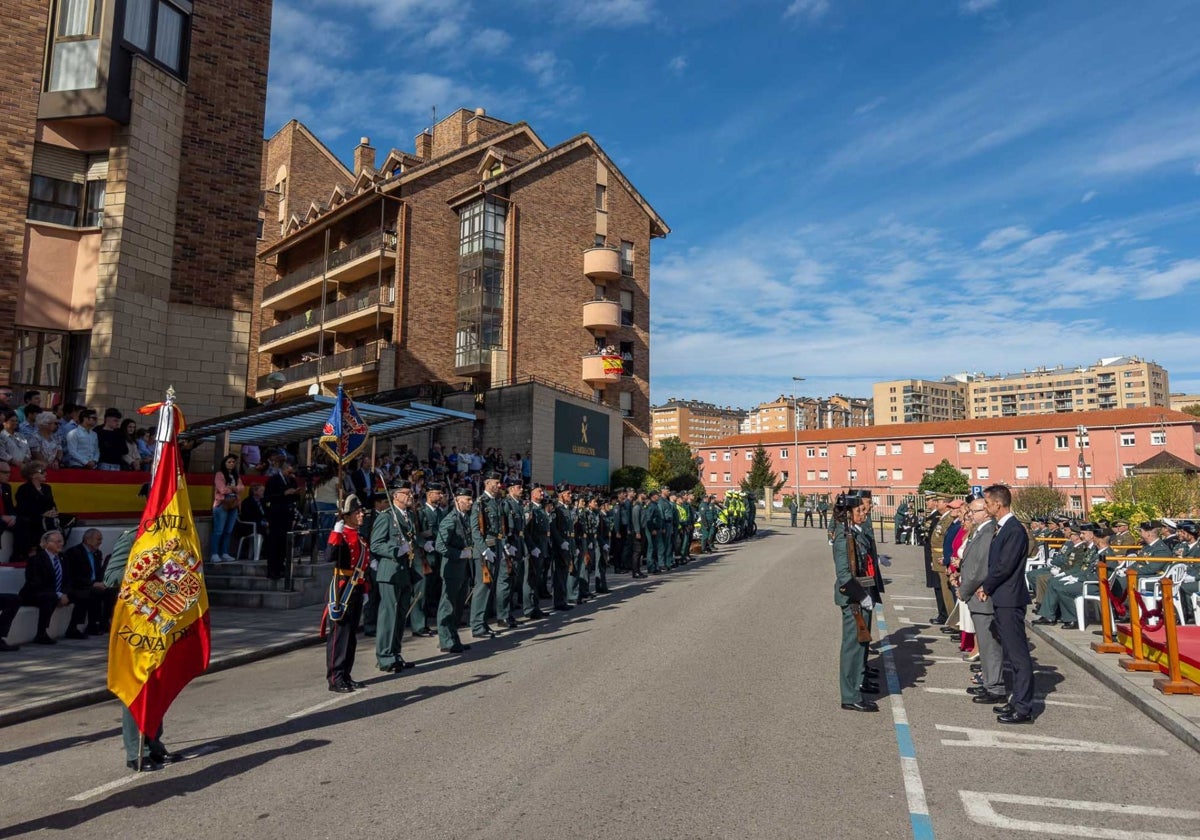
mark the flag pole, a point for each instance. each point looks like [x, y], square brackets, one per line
[141, 749]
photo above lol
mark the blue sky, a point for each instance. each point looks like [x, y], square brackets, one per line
[858, 189]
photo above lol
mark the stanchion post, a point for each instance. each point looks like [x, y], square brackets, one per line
[1173, 683]
[1108, 645]
[1138, 661]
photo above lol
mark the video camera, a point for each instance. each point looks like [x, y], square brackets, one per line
[846, 502]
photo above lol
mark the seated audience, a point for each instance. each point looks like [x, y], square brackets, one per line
[85, 567]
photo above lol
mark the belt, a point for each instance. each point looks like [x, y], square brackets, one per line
[343, 572]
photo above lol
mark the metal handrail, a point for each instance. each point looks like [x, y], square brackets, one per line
[312, 317]
[330, 364]
[378, 241]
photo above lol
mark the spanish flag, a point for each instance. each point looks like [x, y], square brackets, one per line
[160, 633]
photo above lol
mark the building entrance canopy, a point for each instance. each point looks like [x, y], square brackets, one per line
[291, 421]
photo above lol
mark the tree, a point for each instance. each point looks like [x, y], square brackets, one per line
[628, 476]
[945, 478]
[1037, 501]
[761, 476]
[673, 464]
[1193, 409]
[1124, 512]
[1172, 493]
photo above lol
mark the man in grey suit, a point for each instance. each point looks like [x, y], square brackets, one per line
[972, 572]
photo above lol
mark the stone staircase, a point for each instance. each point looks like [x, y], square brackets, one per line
[245, 584]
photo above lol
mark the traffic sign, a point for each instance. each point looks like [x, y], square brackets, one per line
[976, 489]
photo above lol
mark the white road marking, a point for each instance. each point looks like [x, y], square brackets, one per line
[320, 706]
[962, 692]
[96, 791]
[979, 809]
[910, 597]
[1017, 741]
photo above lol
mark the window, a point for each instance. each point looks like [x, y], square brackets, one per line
[982, 473]
[481, 227]
[897, 475]
[625, 401]
[823, 452]
[1128, 438]
[159, 30]
[712, 456]
[881, 449]
[1076, 503]
[1062, 442]
[853, 474]
[1063, 472]
[749, 455]
[881, 475]
[1022, 473]
[851, 451]
[261, 225]
[1020, 444]
[55, 201]
[810, 452]
[75, 53]
[727, 456]
[626, 349]
[600, 244]
[896, 448]
[927, 447]
[824, 475]
[727, 478]
[1127, 470]
[1085, 471]
[812, 475]
[981, 446]
[626, 309]
[1158, 438]
[602, 198]
[712, 477]
[783, 453]
[626, 258]
[964, 446]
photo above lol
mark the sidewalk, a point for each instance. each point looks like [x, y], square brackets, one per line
[1178, 714]
[37, 681]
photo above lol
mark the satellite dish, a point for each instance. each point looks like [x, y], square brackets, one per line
[277, 379]
[314, 389]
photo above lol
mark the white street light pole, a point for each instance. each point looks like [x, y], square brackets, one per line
[796, 442]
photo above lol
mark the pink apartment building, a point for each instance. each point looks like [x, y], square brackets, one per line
[891, 460]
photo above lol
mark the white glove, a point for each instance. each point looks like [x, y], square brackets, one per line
[1055, 572]
[489, 555]
[537, 552]
[339, 527]
[466, 554]
[867, 603]
[1070, 579]
[510, 550]
[374, 565]
[428, 545]
[404, 547]
[565, 545]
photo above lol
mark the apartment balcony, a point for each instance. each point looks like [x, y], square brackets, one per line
[355, 366]
[473, 361]
[356, 312]
[361, 258]
[602, 263]
[601, 369]
[601, 315]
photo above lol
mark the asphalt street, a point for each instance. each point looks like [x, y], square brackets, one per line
[700, 704]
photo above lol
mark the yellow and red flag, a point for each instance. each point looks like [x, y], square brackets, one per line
[160, 632]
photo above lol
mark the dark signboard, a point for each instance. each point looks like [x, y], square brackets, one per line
[580, 445]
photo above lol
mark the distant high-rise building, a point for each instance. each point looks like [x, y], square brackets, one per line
[920, 400]
[782, 414]
[695, 423]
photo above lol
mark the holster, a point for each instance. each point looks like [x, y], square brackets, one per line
[853, 590]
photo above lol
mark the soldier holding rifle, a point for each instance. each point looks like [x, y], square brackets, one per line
[853, 595]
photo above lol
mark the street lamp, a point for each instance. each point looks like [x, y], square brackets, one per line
[1081, 434]
[796, 442]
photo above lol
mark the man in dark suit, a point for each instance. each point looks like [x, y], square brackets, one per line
[281, 498]
[48, 586]
[85, 567]
[1005, 586]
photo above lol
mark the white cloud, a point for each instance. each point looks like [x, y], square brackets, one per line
[678, 64]
[868, 107]
[974, 7]
[1003, 237]
[1087, 197]
[807, 10]
[611, 14]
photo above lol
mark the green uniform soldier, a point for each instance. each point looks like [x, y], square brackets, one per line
[652, 524]
[637, 535]
[708, 524]
[687, 523]
[666, 533]
[392, 555]
[487, 535]
[428, 517]
[1059, 590]
[454, 547]
[561, 549]
[370, 613]
[1190, 550]
[153, 752]
[823, 512]
[1070, 558]
[537, 552]
[512, 564]
[937, 561]
[606, 529]
[1153, 559]
[855, 601]
[573, 528]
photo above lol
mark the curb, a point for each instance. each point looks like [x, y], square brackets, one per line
[92, 696]
[1175, 723]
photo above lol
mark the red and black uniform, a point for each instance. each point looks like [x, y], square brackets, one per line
[348, 552]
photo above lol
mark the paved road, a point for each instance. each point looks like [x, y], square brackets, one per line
[702, 704]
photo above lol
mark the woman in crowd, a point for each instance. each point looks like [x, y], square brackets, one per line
[227, 489]
[965, 625]
[36, 509]
[13, 448]
[43, 444]
[133, 458]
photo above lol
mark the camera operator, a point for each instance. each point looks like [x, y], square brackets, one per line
[853, 595]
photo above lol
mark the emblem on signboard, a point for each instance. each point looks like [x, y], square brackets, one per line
[583, 430]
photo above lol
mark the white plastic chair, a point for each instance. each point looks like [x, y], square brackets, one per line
[1151, 589]
[256, 541]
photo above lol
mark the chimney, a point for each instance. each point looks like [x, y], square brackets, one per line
[424, 145]
[364, 156]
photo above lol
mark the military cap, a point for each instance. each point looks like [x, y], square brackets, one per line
[434, 485]
[490, 474]
[400, 485]
[379, 496]
[1168, 523]
[1120, 522]
[1089, 526]
[512, 481]
[350, 504]
[464, 490]
[1189, 526]
[1149, 525]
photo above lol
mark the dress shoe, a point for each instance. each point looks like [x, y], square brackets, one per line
[356, 684]
[422, 633]
[1005, 709]
[868, 688]
[861, 706]
[405, 664]
[341, 688]
[977, 690]
[43, 639]
[976, 667]
[73, 633]
[973, 656]
[390, 668]
[987, 698]
[454, 649]
[603, 590]
[1014, 717]
[512, 624]
[537, 614]
[938, 619]
[563, 607]
[484, 636]
[5, 647]
[1042, 620]
[148, 765]
[166, 757]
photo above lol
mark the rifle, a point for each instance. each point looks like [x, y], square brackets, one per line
[860, 623]
[485, 566]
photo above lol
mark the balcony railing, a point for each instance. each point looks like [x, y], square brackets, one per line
[304, 371]
[312, 318]
[627, 268]
[369, 244]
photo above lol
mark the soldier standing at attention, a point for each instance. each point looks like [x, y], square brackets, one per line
[636, 540]
[428, 517]
[687, 516]
[937, 536]
[537, 545]
[823, 512]
[854, 600]
[487, 535]
[572, 527]
[708, 523]
[370, 614]
[666, 534]
[512, 564]
[619, 543]
[562, 548]
[606, 516]
[653, 524]
[454, 546]
[392, 539]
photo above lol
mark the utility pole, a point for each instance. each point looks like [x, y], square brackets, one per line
[796, 442]
[1081, 436]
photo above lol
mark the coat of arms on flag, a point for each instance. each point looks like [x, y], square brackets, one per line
[344, 434]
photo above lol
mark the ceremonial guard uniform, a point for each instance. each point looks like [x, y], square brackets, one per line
[370, 613]
[428, 517]
[512, 565]
[572, 525]
[619, 526]
[350, 556]
[666, 534]
[454, 546]
[1063, 589]
[855, 601]
[652, 522]
[488, 537]
[937, 536]
[562, 532]
[636, 545]
[392, 538]
[708, 524]
[604, 544]
[537, 552]
[1153, 548]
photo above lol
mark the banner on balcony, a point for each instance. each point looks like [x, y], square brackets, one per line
[580, 445]
[613, 365]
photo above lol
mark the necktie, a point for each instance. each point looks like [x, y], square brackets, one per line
[58, 580]
[95, 566]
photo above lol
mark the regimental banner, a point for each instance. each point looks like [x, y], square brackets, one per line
[160, 630]
[345, 433]
[580, 445]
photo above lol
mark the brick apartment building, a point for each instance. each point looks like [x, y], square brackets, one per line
[132, 134]
[693, 422]
[784, 414]
[481, 259]
[892, 459]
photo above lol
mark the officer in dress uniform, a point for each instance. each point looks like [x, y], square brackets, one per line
[708, 523]
[652, 522]
[855, 602]
[537, 552]
[562, 536]
[619, 524]
[392, 538]
[487, 537]
[349, 552]
[428, 517]
[938, 563]
[592, 556]
[605, 535]
[1153, 549]
[455, 547]
[512, 564]
[1189, 549]
[571, 522]
[370, 613]
[1063, 589]
[670, 520]
[636, 540]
